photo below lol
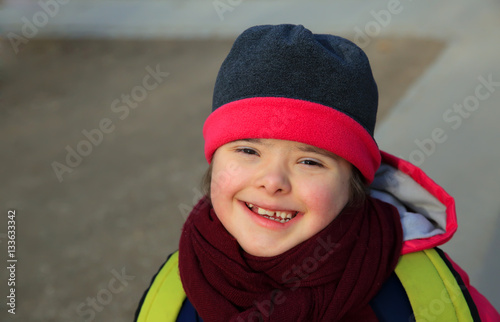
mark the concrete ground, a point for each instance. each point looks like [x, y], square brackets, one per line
[101, 166]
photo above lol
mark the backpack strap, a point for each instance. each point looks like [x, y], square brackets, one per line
[429, 283]
[432, 289]
[165, 296]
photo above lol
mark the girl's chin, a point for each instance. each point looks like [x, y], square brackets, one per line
[265, 251]
[264, 254]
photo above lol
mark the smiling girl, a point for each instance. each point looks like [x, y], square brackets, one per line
[304, 218]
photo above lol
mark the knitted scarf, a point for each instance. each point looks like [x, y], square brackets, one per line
[330, 277]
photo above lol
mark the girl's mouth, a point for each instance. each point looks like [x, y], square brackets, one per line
[279, 216]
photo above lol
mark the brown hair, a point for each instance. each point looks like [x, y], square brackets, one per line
[357, 195]
[359, 190]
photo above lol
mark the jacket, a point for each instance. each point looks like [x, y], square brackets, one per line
[426, 285]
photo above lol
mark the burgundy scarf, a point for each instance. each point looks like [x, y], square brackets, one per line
[330, 277]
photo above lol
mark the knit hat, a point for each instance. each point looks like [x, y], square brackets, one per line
[284, 82]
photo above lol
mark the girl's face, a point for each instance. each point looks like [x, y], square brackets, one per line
[272, 195]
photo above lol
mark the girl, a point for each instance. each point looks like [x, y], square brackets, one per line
[304, 218]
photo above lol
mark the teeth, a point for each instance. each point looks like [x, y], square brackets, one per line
[262, 211]
[276, 219]
[279, 216]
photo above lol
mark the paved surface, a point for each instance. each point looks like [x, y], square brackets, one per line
[89, 241]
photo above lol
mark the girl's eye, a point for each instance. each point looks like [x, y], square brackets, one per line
[247, 151]
[312, 163]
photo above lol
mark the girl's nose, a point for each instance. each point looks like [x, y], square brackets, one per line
[274, 178]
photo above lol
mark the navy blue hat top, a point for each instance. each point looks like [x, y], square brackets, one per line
[290, 61]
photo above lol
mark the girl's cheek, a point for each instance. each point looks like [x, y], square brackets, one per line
[225, 176]
[220, 179]
[324, 196]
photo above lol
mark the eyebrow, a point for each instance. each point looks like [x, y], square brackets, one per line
[313, 149]
[251, 140]
[303, 148]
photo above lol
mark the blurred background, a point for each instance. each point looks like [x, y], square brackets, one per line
[101, 111]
